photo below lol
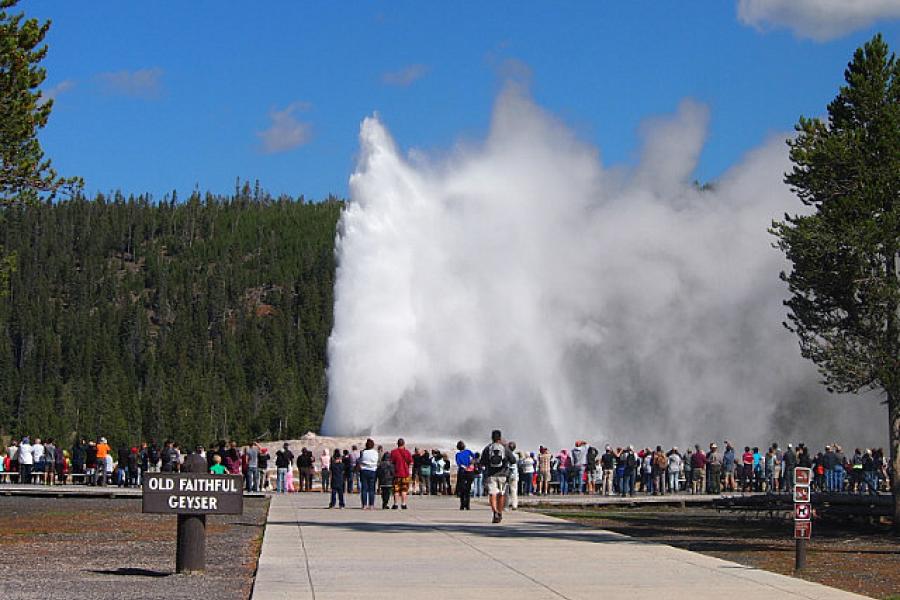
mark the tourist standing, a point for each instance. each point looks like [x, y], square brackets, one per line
[528, 474]
[698, 470]
[103, 451]
[337, 480]
[512, 478]
[465, 468]
[544, 471]
[402, 460]
[252, 454]
[715, 469]
[385, 476]
[26, 460]
[673, 469]
[368, 464]
[325, 470]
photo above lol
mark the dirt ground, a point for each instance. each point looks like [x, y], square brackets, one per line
[106, 548]
[857, 557]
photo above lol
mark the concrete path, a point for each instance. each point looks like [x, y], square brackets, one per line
[435, 551]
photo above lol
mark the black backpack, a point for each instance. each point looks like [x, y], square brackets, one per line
[592, 456]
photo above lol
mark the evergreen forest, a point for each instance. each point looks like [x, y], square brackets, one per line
[196, 320]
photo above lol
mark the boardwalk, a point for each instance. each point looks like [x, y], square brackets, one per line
[435, 551]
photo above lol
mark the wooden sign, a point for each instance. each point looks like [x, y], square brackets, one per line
[193, 494]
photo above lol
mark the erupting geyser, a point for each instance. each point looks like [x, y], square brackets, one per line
[520, 284]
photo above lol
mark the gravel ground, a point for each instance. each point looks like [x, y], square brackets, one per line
[854, 556]
[72, 548]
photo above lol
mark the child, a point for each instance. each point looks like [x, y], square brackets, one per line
[337, 479]
[218, 468]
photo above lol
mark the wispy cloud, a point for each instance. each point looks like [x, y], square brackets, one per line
[53, 92]
[142, 83]
[405, 76]
[286, 132]
[820, 20]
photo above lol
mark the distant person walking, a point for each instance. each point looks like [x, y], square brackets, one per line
[496, 459]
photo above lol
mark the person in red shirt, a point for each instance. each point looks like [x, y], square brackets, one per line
[401, 459]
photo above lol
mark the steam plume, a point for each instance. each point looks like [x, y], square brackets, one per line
[519, 283]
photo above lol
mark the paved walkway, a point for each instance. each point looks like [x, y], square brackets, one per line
[433, 550]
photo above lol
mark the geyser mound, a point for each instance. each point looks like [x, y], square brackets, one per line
[521, 284]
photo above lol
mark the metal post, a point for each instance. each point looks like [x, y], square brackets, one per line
[800, 556]
[190, 553]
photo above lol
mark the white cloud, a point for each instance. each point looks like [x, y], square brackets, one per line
[60, 88]
[817, 19]
[285, 132]
[405, 76]
[142, 83]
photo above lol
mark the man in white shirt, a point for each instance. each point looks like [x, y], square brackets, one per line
[39, 457]
[26, 460]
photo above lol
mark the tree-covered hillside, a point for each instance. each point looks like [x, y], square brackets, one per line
[197, 320]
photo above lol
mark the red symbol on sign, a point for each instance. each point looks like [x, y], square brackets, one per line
[802, 475]
[803, 530]
[802, 511]
[801, 493]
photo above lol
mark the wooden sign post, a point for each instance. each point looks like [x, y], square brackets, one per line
[192, 496]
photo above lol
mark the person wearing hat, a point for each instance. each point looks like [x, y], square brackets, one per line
[714, 463]
[789, 462]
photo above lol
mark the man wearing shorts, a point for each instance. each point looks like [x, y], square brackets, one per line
[496, 459]
[401, 459]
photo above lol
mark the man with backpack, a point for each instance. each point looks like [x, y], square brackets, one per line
[497, 459]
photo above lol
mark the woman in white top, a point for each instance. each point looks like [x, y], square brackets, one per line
[528, 474]
[368, 463]
[325, 470]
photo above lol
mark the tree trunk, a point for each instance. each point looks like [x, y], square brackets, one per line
[894, 418]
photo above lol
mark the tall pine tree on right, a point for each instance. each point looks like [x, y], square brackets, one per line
[844, 284]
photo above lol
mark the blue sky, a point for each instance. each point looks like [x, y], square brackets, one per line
[157, 96]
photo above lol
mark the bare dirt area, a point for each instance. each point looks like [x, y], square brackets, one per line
[103, 549]
[857, 557]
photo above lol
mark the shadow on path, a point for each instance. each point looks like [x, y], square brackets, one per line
[131, 572]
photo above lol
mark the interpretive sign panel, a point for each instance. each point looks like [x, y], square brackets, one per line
[802, 530]
[193, 494]
[802, 475]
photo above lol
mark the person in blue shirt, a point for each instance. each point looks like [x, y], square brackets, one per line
[465, 472]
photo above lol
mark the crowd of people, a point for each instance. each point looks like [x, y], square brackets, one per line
[394, 474]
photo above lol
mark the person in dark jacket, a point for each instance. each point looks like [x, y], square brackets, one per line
[385, 476]
[337, 479]
[79, 455]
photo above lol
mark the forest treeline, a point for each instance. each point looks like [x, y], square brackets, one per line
[193, 319]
